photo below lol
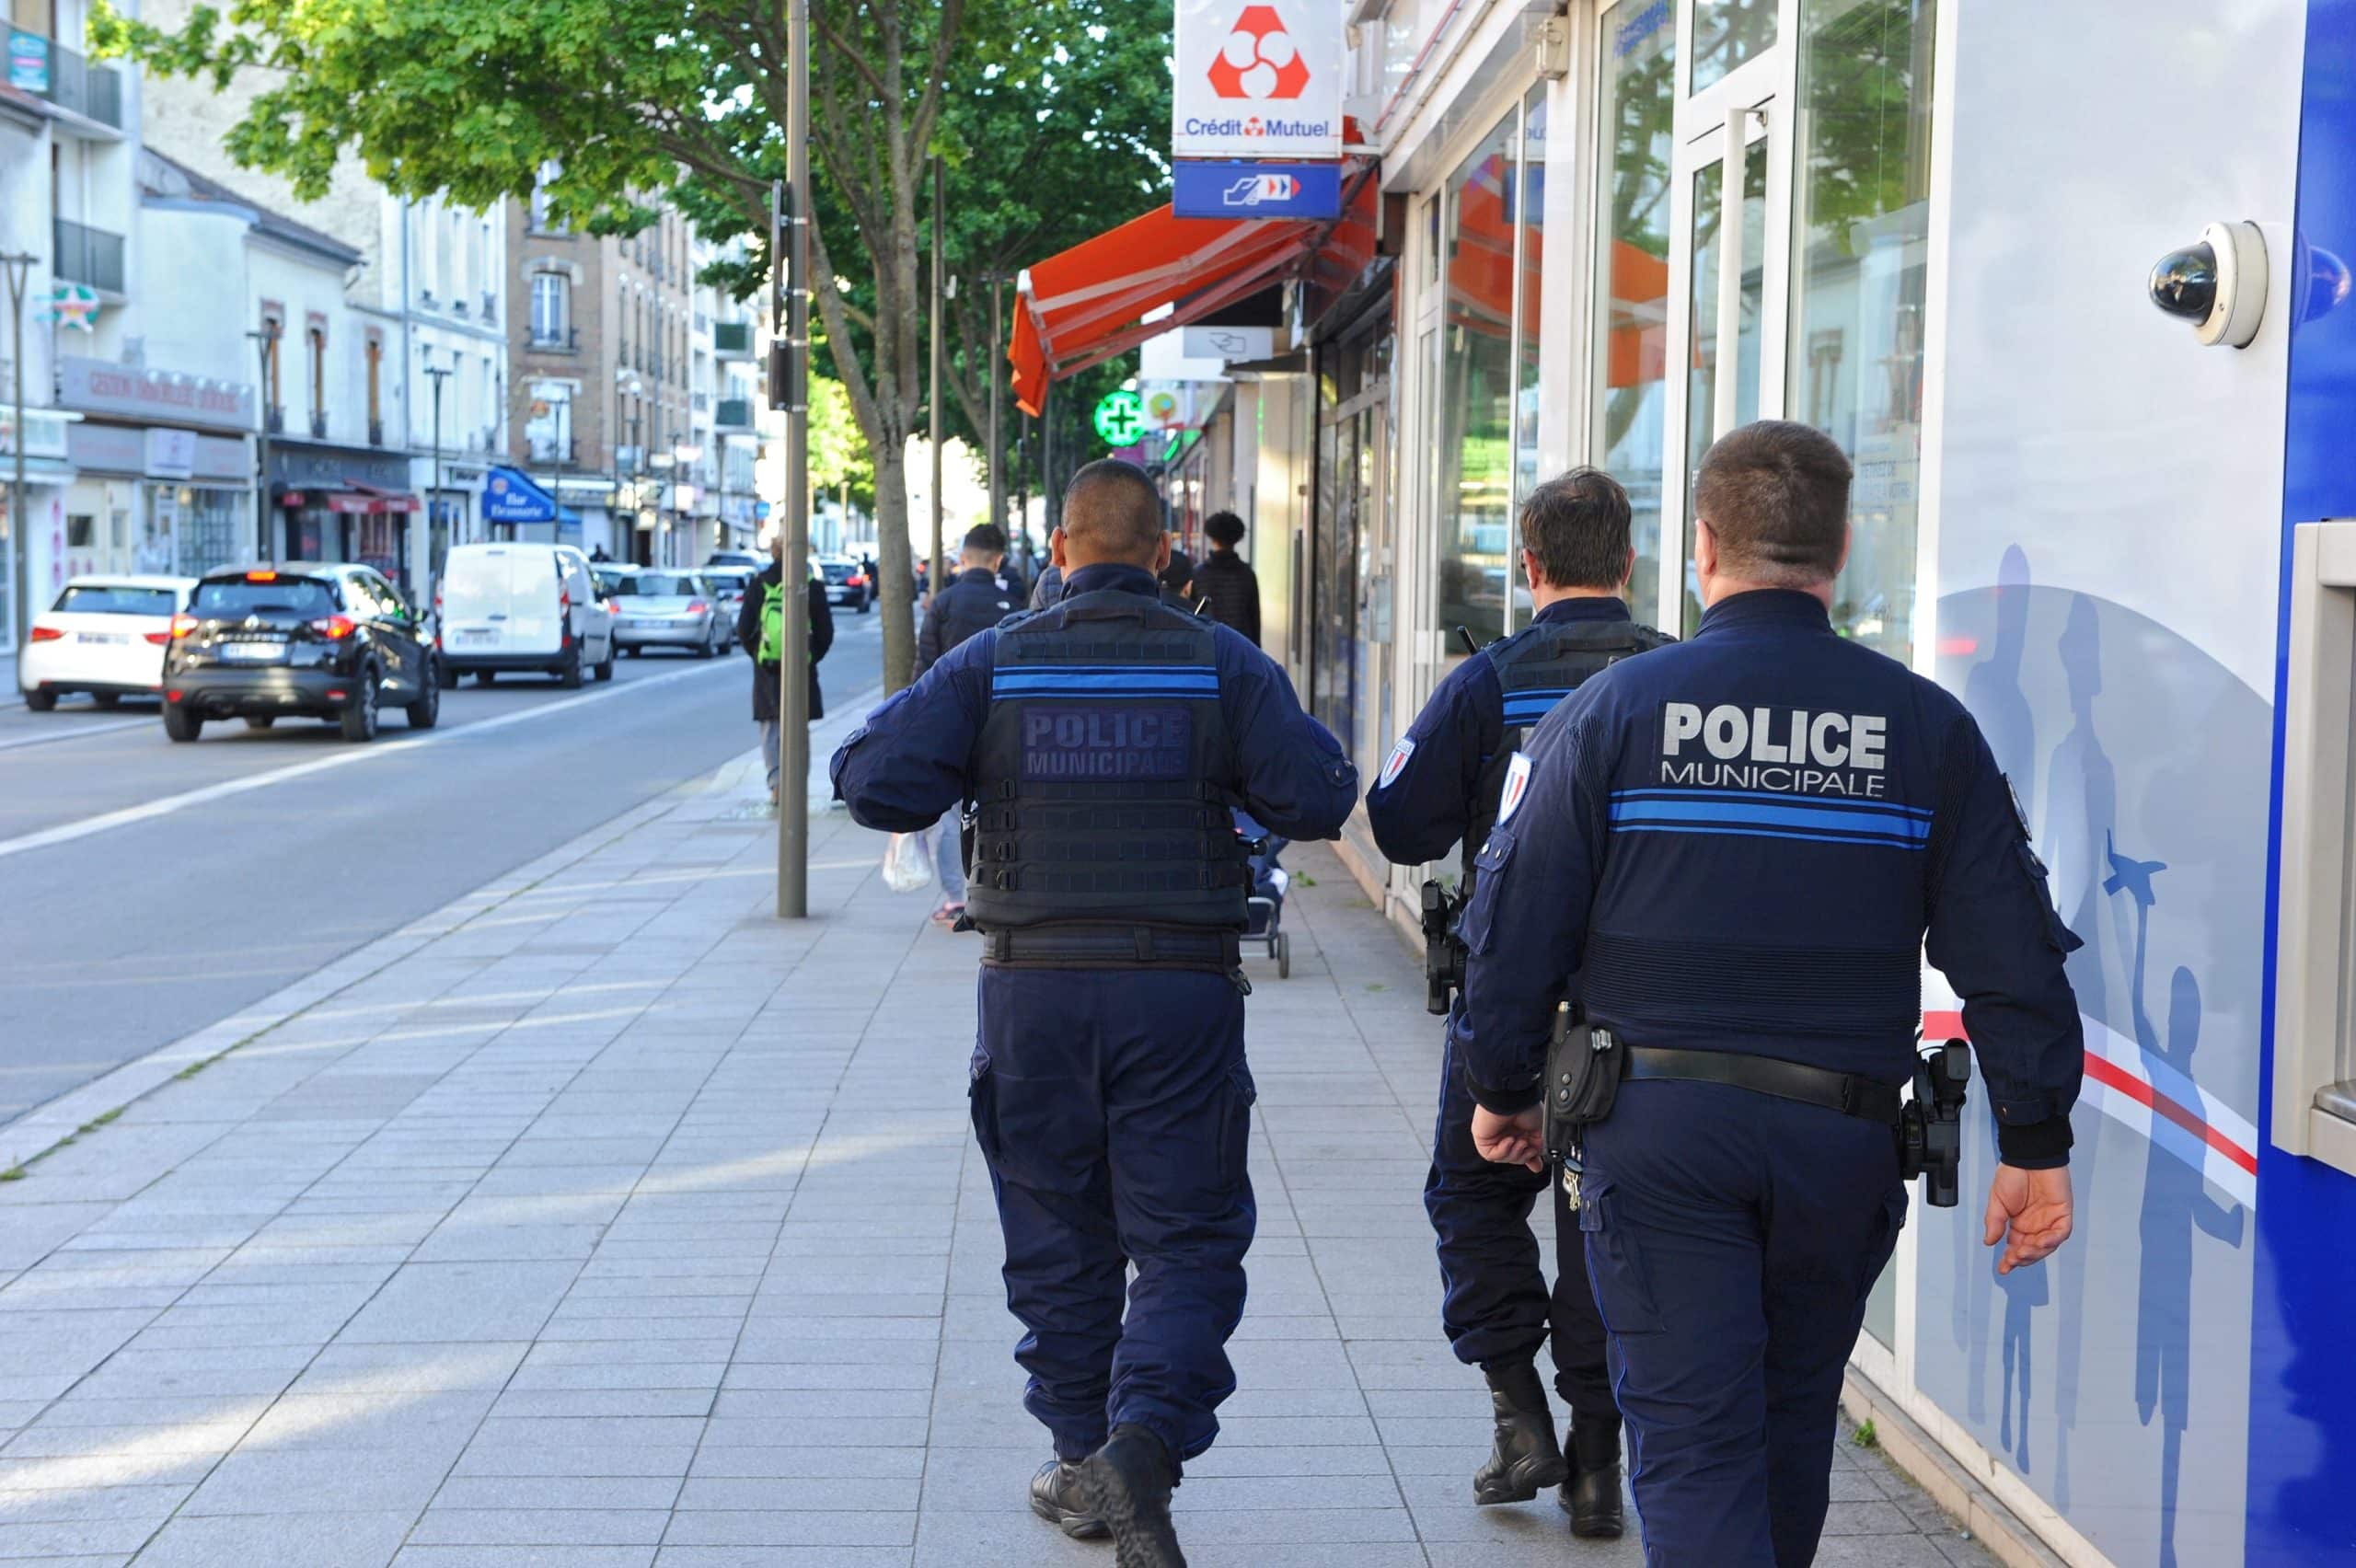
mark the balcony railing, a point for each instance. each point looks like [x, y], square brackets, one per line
[565, 342]
[318, 425]
[489, 306]
[276, 421]
[733, 413]
[86, 255]
[732, 340]
[95, 92]
[376, 432]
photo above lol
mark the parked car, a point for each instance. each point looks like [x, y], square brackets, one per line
[751, 560]
[304, 639]
[522, 608]
[730, 584]
[104, 637]
[847, 582]
[664, 608]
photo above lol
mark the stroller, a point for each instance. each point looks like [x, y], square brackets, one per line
[1265, 906]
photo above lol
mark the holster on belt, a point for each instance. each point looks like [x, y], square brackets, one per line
[1584, 1067]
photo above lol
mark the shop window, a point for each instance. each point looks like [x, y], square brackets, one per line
[1530, 213]
[1860, 275]
[81, 530]
[1702, 377]
[1730, 33]
[1638, 97]
[1476, 499]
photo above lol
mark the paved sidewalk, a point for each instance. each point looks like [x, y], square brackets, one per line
[602, 1221]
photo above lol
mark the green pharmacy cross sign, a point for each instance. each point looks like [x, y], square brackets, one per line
[1120, 419]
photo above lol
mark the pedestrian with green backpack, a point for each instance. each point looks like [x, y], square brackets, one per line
[760, 631]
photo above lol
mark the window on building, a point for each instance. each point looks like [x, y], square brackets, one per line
[374, 351]
[317, 336]
[542, 219]
[551, 310]
[1639, 59]
[1860, 256]
[1529, 214]
[1475, 499]
[1729, 33]
[274, 330]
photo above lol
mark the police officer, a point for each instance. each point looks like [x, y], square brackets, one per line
[976, 598]
[1439, 790]
[1103, 742]
[1732, 851]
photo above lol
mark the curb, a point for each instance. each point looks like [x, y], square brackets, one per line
[1910, 1449]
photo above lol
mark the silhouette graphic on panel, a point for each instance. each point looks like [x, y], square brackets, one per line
[2176, 1203]
[1991, 690]
[2082, 808]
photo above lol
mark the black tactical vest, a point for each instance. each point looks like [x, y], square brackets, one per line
[1097, 797]
[1538, 667]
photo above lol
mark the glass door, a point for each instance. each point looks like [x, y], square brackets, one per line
[1729, 222]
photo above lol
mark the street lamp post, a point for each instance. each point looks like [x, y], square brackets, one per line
[439, 374]
[265, 350]
[933, 393]
[996, 377]
[793, 574]
[563, 450]
[20, 267]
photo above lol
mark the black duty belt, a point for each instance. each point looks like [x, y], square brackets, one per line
[1848, 1093]
[1112, 947]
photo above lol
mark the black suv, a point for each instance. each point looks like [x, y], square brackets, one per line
[325, 641]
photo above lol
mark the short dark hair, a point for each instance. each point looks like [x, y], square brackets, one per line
[1775, 495]
[1225, 528]
[1113, 512]
[984, 538]
[1179, 572]
[1576, 524]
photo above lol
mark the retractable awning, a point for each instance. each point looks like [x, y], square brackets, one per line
[355, 500]
[1083, 306]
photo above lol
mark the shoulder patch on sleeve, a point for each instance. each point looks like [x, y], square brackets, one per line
[1397, 761]
[1517, 785]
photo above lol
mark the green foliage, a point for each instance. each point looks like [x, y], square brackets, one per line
[838, 454]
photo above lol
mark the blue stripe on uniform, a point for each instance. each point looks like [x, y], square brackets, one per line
[1829, 802]
[1829, 821]
[1865, 839]
[1106, 680]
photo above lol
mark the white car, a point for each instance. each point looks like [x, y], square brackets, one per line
[104, 637]
[522, 607]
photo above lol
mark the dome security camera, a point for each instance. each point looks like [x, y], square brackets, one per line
[2217, 283]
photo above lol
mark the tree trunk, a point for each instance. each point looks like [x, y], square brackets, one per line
[892, 564]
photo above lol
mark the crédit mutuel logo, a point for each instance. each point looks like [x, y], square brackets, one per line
[1259, 63]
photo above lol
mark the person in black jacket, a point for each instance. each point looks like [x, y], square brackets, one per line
[1177, 582]
[975, 598]
[757, 597]
[1225, 582]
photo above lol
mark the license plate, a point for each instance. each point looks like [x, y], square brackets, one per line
[475, 638]
[252, 652]
[635, 625]
[105, 639]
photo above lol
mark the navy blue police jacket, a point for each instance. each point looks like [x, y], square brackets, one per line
[913, 758]
[1747, 842]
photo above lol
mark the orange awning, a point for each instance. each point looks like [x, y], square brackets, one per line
[1083, 306]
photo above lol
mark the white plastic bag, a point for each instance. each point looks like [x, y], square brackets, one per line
[907, 867]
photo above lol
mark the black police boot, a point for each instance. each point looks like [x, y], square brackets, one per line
[1591, 1496]
[1057, 1497]
[1527, 1456]
[1128, 1483]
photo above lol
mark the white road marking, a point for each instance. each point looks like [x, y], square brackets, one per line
[79, 730]
[65, 833]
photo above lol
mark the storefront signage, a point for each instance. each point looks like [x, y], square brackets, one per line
[1120, 418]
[1229, 190]
[1258, 79]
[335, 467]
[1229, 343]
[104, 388]
[511, 497]
[44, 428]
[27, 61]
[171, 454]
[74, 305]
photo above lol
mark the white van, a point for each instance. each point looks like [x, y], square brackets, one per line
[522, 607]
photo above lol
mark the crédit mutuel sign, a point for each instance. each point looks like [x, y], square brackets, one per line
[1258, 79]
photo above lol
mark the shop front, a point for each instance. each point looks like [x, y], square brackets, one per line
[165, 469]
[47, 471]
[347, 504]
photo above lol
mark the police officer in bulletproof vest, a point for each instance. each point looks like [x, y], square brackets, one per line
[1733, 853]
[1102, 743]
[973, 600]
[1439, 791]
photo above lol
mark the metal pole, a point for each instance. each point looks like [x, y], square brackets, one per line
[933, 391]
[19, 525]
[1055, 516]
[265, 345]
[434, 502]
[793, 574]
[564, 441]
[998, 375]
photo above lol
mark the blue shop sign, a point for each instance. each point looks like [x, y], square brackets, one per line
[1205, 190]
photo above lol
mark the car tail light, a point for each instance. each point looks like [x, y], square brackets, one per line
[337, 694]
[174, 695]
[159, 638]
[564, 601]
[697, 606]
[856, 580]
[261, 577]
[45, 633]
[182, 626]
[334, 627]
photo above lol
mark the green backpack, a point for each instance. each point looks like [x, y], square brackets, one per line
[773, 623]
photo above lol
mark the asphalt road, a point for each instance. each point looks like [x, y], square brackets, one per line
[149, 888]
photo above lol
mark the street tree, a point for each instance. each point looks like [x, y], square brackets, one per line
[610, 108]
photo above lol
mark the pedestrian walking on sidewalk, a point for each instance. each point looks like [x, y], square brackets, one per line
[1734, 854]
[760, 630]
[1439, 791]
[1104, 739]
[973, 601]
[1225, 582]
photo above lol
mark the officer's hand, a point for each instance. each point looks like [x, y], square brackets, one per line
[1511, 1140]
[2034, 1207]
